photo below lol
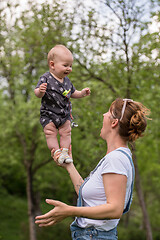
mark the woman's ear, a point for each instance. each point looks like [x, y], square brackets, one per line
[115, 122]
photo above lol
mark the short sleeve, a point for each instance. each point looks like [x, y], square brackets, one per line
[41, 80]
[73, 89]
[116, 162]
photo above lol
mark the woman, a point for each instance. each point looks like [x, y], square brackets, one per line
[106, 194]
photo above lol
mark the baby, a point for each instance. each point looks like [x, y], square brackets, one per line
[55, 89]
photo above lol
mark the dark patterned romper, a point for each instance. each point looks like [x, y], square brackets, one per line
[55, 104]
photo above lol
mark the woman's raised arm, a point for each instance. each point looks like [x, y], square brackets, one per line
[76, 178]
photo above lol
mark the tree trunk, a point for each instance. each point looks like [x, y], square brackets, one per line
[30, 199]
[141, 198]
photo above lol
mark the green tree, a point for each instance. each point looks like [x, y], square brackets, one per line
[121, 73]
[108, 59]
[26, 41]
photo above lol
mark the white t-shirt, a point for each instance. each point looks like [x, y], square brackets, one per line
[93, 192]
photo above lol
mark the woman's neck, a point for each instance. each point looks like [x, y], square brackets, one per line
[115, 143]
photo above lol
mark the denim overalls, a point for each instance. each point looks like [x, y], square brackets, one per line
[89, 233]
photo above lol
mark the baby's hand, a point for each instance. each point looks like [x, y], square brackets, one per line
[85, 92]
[43, 87]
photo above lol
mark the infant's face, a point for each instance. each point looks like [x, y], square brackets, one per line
[63, 65]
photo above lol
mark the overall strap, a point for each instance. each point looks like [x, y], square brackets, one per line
[132, 184]
[80, 199]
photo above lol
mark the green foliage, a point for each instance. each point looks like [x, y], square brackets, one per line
[56, 231]
[131, 234]
[59, 231]
[101, 63]
[15, 224]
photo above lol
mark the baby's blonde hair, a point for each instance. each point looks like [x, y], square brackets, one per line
[53, 53]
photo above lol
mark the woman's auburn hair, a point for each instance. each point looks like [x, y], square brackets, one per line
[134, 121]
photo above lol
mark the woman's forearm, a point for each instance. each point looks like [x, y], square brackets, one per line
[62, 211]
[104, 211]
[76, 178]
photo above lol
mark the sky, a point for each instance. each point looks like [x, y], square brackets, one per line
[24, 3]
[155, 26]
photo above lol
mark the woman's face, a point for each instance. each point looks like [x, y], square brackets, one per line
[106, 128]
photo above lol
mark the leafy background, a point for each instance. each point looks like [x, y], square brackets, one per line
[116, 53]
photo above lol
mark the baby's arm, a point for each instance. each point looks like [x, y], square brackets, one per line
[80, 94]
[39, 92]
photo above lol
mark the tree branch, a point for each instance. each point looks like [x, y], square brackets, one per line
[97, 77]
[41, 165]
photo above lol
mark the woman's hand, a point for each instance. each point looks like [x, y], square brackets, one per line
[57, 214]
[76, 178]
[57, 155]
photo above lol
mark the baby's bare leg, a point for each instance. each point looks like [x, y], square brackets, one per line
[65, 141]
[65, 134]
[50, 131]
